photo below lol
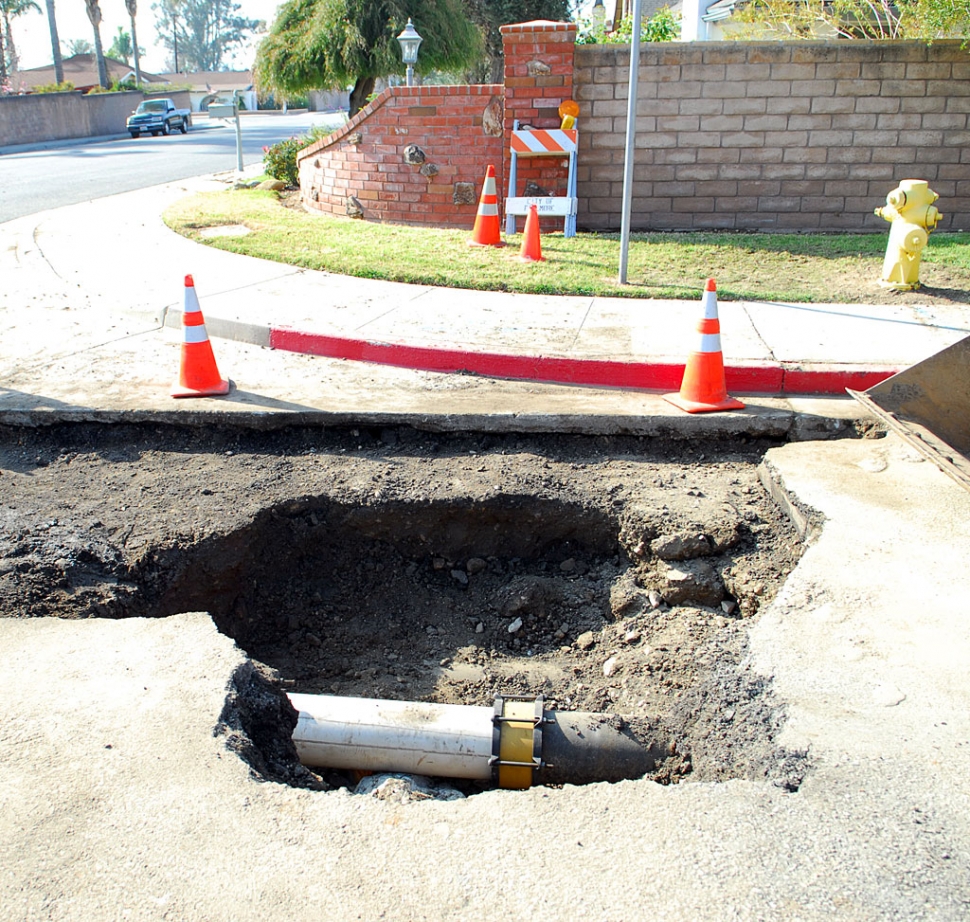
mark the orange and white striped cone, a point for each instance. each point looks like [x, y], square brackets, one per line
[198, 374]
[531, 251]
[487, 230]
[704, 389]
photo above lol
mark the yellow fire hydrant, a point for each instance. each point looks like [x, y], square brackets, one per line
[910, 209]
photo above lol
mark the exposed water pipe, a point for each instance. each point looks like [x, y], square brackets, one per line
[516, 743]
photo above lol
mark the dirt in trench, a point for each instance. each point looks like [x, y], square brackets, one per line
[614, 575]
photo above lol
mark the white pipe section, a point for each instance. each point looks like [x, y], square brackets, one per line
[367, 734]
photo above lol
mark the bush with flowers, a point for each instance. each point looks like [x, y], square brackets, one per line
[280, 159]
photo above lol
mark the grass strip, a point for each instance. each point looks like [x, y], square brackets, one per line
[843, 268]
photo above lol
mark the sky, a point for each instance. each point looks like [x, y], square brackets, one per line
[31, 32]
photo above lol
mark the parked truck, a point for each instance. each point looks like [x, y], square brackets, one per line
[159, 116]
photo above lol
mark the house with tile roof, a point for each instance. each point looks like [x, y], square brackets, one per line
[82, 71]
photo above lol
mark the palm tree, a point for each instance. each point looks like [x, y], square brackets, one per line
[11, 9]
[55, 44]
[132, 6]
[94, 14]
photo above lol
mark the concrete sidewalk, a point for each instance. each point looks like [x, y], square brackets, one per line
[104, 284]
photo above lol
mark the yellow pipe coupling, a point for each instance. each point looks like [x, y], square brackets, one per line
[910, 209]
[517, 740]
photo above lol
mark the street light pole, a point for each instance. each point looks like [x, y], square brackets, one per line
[410, 42]
[629, 147]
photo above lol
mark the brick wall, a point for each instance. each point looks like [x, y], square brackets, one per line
[363, 168]
[372, 166]
[800, 136]
[538, 78]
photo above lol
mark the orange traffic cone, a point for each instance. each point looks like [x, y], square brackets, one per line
[531, 251]
[198, 376]
[703, 389]
[486, 232]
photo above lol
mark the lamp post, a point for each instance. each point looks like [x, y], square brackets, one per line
[410, 41]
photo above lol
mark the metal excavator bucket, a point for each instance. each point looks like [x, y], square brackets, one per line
[928, 404]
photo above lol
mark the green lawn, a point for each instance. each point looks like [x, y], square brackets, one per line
[783, 267]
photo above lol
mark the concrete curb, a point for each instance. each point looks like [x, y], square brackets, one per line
[777, 379]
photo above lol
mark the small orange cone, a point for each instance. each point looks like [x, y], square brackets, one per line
[531, 251]
[703, 389]
[198, 376]
[487, 232]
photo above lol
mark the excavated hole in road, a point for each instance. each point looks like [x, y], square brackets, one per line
[614, 575]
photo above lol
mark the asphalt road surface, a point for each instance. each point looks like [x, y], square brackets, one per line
[69, 172]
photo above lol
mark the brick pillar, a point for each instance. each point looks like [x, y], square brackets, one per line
[538, 78]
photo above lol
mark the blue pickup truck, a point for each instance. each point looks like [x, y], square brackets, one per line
[159, 116]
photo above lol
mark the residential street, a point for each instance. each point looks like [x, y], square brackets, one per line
[68, 172]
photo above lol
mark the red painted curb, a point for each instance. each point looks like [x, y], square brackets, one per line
[771, 378]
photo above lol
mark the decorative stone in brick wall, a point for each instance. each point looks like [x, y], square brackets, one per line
[429, 170]
[355, 138]
[537, 69]
[414, 155]
[492, 118]
[354, 207]
[464, 194]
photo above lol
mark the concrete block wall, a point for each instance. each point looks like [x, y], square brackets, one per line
[800, 136]
[367, 168]
[40, 117]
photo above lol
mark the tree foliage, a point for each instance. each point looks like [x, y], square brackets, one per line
[78, 46]
[663, 26]
[491, 15]
[201, 34]
[326, 44]
[121, 48]
[9, 10]
[861, 19]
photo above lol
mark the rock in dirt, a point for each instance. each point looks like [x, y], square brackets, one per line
[626, 597]
[405, 789]
[680, 546]
[693, 582]
[531, 595]
[586, 640]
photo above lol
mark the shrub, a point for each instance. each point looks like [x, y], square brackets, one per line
[317, 133]
[663, 26]
[280, 159]
[65, 87]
